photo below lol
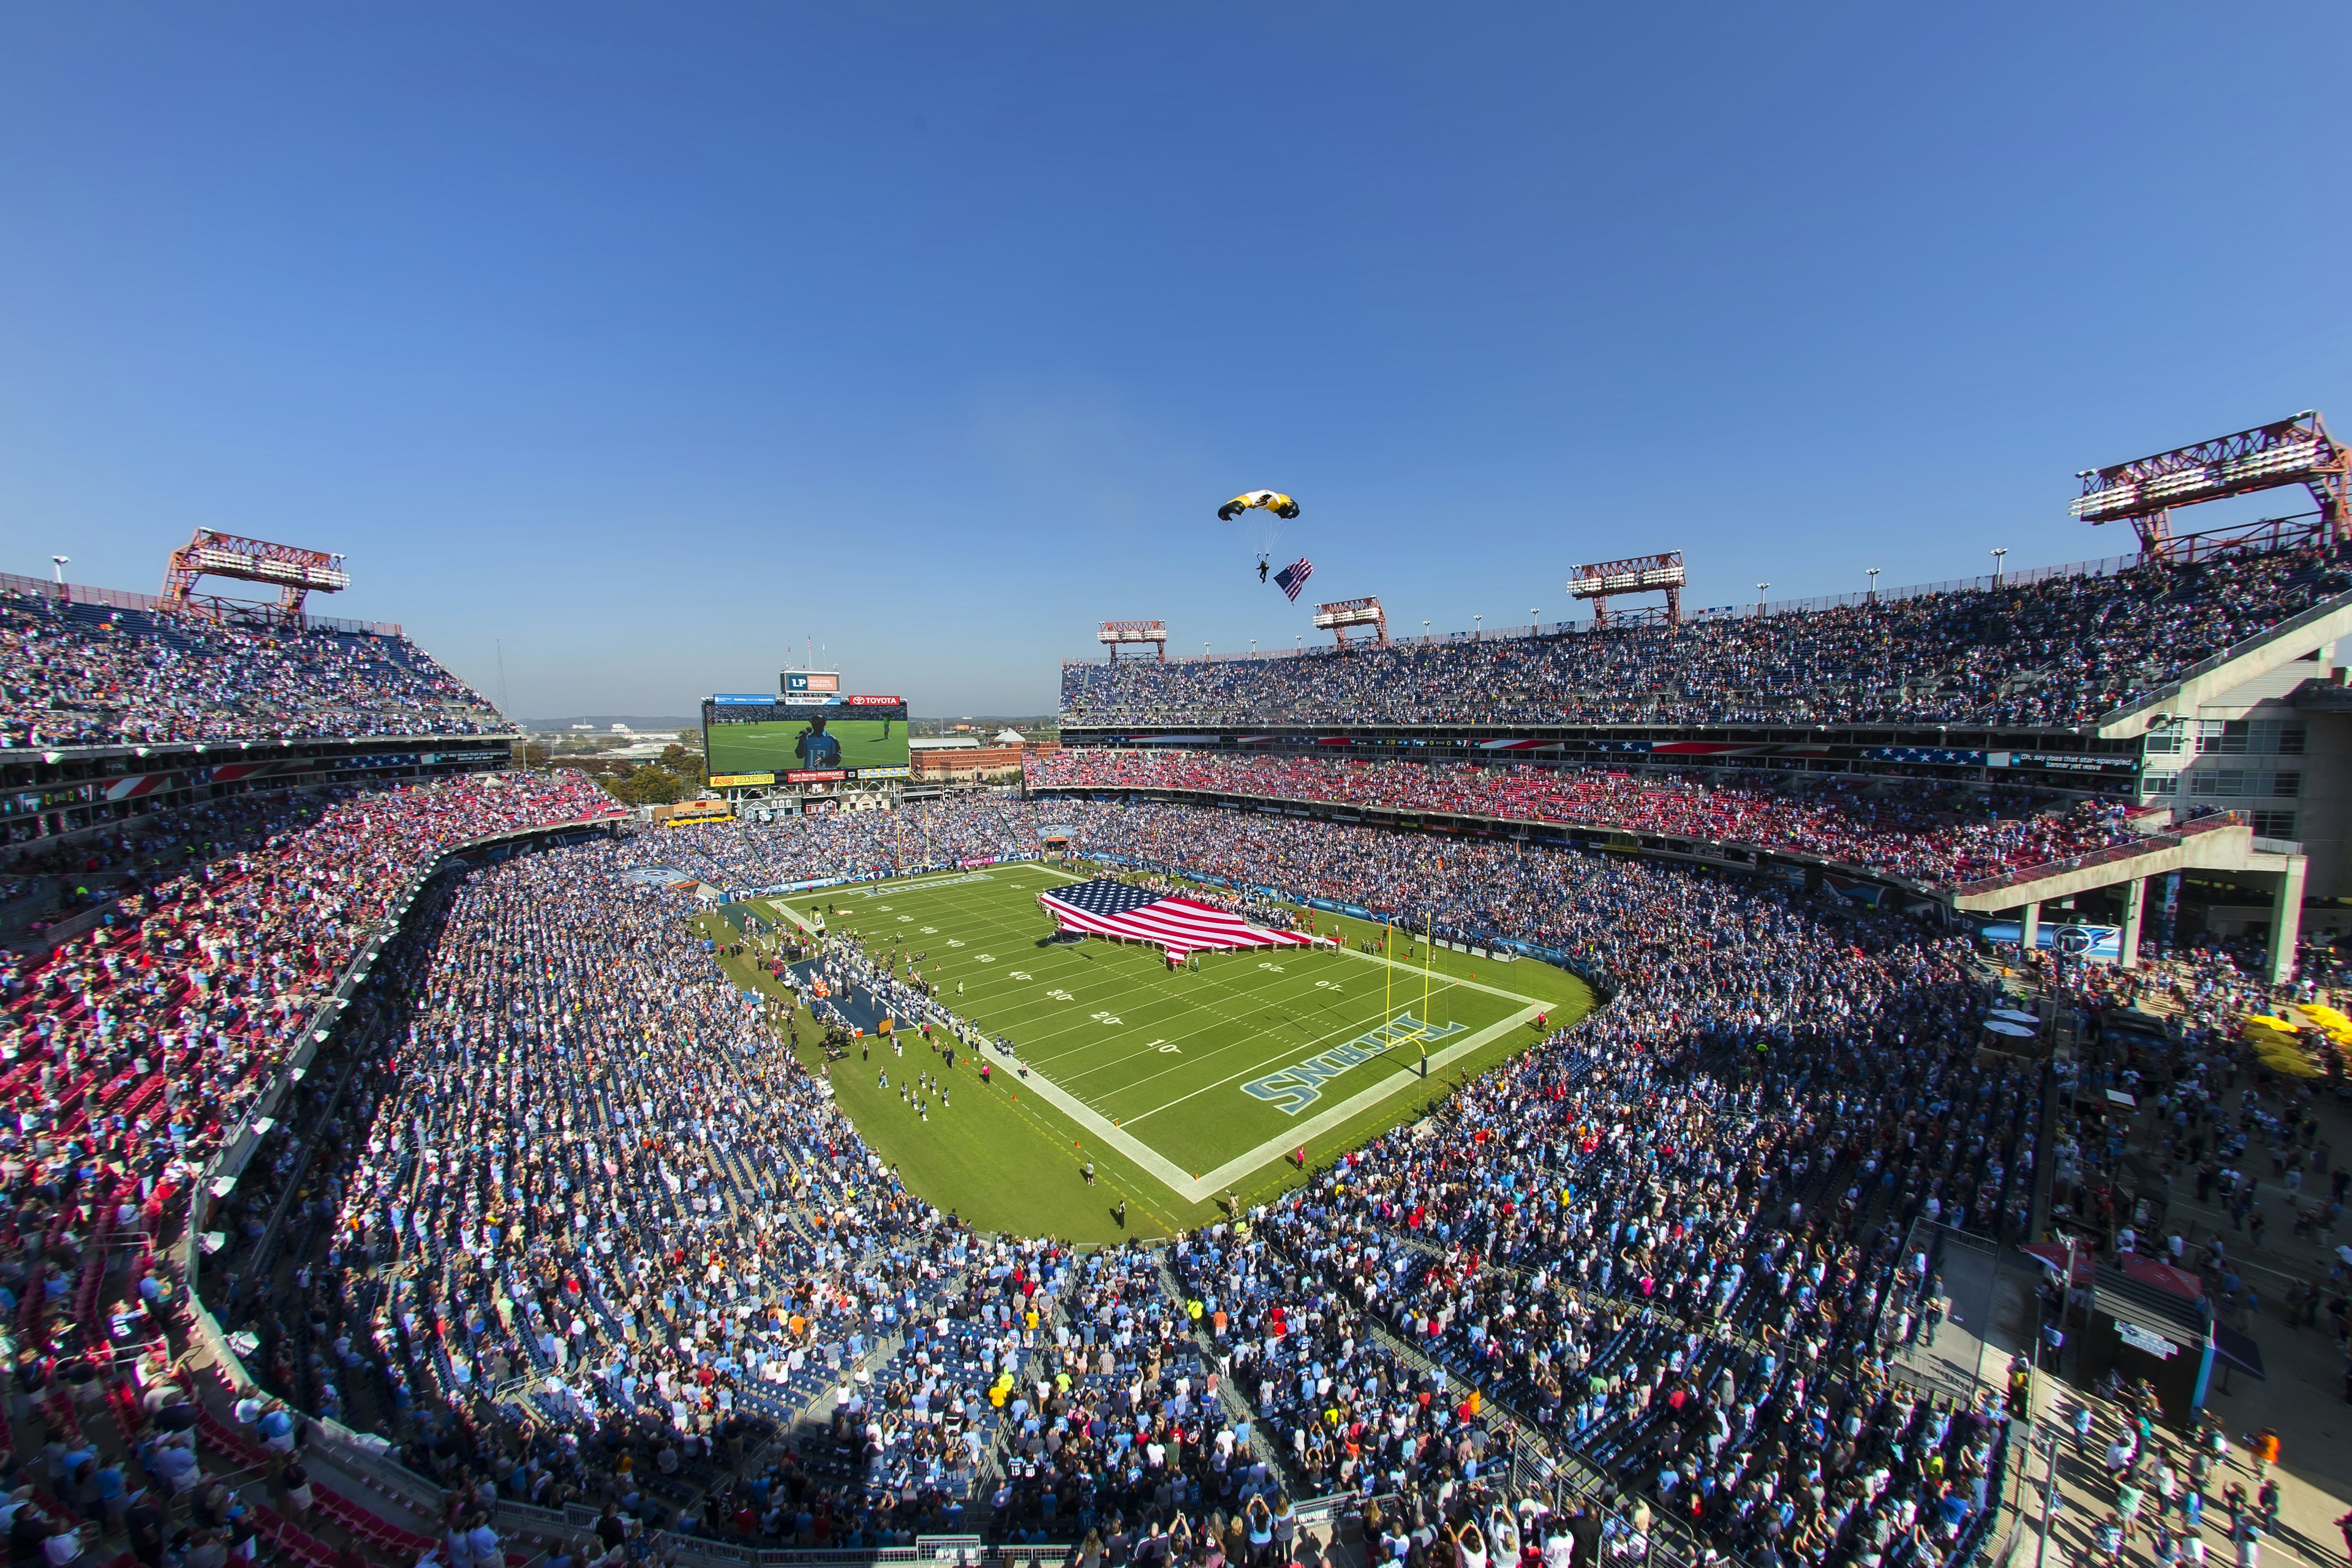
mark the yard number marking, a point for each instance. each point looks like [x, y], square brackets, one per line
[1106, 1017]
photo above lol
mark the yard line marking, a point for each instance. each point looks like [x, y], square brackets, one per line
[1183, 1183]
[1233, 991]
[1217, 1017]
[1230, 1011]
[1309, 1047]
[1347, 1110]
[1281, 1049]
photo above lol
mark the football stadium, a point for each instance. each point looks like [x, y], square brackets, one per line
[668, 900]
[1558, 1058]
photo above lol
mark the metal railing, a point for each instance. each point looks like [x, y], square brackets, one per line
[1725, 849]
[2171, 838]
[2236, 650]
[149, 604]
[2186, 549]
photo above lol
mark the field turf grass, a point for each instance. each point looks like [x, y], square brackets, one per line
[1142, 1070]
[768, 747]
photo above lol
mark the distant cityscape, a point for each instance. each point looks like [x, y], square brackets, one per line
[634, 737]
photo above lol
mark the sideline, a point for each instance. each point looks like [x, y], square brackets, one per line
[1200, 1189]
[1355, 1105]
[785, 909]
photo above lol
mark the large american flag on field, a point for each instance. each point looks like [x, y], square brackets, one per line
[1181, 925]
[1293, 577]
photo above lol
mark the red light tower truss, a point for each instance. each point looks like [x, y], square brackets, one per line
[2296, 451]
[1606, 580]
[1135, 635]
[292, 571]
[1338, 617]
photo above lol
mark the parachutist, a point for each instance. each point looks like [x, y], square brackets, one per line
[1274, 509]
[1275, 501]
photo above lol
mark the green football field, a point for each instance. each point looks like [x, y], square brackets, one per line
[768, 747]
[1180, 1086]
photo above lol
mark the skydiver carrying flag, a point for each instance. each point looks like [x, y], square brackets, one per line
[1272, 509]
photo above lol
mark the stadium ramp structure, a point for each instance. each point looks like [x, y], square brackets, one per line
[2223, 842]
[2233, 668]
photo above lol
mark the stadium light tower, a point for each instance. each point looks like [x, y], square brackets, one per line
[1604, 580]
[58, 564]
[1873, 583]
[1363, 614]
[1474, 622]
[1534, 619]
[1997, 554]
[1137, 636]
[1760, 596]
[2296, 451]
[294, 571]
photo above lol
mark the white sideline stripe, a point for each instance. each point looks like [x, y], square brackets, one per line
[1096, 1122]
[1355, 1105]
[783, 907]
[1182, 1181]
[1199, 1190]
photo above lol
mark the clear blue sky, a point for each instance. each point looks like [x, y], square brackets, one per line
[651, 340]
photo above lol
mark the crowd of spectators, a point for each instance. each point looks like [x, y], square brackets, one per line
[46, 879]
[89, 674]
[1929, 833]
[586, 1231]
[746, 855]
[129, 1053]
[578, 1228]
[1683, 1265]
[588, 1192]
[598, 1237]
[589, 1184]
[144, 1037]
[2057, 652]
[2246, 1143]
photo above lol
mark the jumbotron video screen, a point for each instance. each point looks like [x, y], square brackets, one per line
[842, 736]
